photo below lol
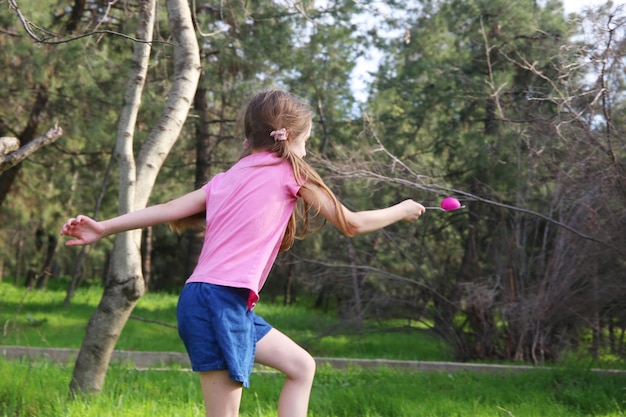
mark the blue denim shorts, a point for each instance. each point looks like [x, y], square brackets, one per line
[218, 329]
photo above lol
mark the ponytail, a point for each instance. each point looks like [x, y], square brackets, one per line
[300, 224]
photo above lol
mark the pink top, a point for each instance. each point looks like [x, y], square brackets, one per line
[248, 208]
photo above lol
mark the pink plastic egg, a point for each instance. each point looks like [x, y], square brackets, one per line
[450, 203]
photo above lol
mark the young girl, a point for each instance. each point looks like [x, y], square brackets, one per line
[250, 218]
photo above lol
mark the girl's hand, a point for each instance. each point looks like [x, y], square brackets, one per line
[412, 209]
[84, 229]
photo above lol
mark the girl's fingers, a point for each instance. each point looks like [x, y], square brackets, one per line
[70, 224]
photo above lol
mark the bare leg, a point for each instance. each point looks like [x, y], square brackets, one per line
[281, 353]
[222, 395]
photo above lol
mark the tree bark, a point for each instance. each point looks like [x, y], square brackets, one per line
[125, 285]
[356, 281]
[11, 160]
[194, 237]
[10, 164]
[78, 9]
[50, 255]
[146, 255]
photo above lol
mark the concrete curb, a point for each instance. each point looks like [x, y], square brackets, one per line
[160, 359]
[63, 355]
[445, 367]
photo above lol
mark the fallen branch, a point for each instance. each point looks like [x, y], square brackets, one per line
[160, 323]
[9, 161]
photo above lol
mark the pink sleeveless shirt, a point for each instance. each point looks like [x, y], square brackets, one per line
[248, 208]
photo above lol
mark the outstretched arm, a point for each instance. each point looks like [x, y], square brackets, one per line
[86, 230]
[361, 221]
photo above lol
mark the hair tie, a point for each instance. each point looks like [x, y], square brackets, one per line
[280, 134]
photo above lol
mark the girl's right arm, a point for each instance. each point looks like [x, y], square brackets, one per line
[87, 230]
[361, 221]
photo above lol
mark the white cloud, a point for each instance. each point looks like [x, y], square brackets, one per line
[575, 6]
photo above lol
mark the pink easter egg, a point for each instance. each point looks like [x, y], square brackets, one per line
[450, 203]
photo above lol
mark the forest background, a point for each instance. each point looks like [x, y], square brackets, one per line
[515, 108]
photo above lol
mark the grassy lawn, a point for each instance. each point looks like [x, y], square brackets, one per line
[39, 319]
[30, 388]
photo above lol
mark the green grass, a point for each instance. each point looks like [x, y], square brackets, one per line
[38, 319]
[29, 389]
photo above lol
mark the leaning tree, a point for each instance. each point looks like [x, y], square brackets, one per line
[124, 284]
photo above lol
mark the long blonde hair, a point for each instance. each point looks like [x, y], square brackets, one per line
[273, 110]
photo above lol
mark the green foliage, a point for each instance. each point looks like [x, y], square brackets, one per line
[84, 81]
[473, 101]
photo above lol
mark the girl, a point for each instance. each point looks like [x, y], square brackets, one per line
[250, 217]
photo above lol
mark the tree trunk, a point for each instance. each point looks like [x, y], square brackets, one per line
[596, 325]
[9, 171]
[75, 16]
[203, 172]
[19, 254]
[356, 291]
[146, 255]
[46, 271]
[288, 294]
[125, 283]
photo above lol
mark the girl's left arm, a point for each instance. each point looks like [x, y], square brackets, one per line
[360, 221]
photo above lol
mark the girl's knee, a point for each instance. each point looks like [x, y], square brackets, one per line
[310, 364]
[303, 368]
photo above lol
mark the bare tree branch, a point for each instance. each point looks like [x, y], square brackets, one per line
[160, 323]
[414, 180]
[28, 26]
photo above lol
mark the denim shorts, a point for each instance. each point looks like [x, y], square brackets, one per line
[218, 329]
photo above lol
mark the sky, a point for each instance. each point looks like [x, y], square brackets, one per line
[360, 76]
[572, 6]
